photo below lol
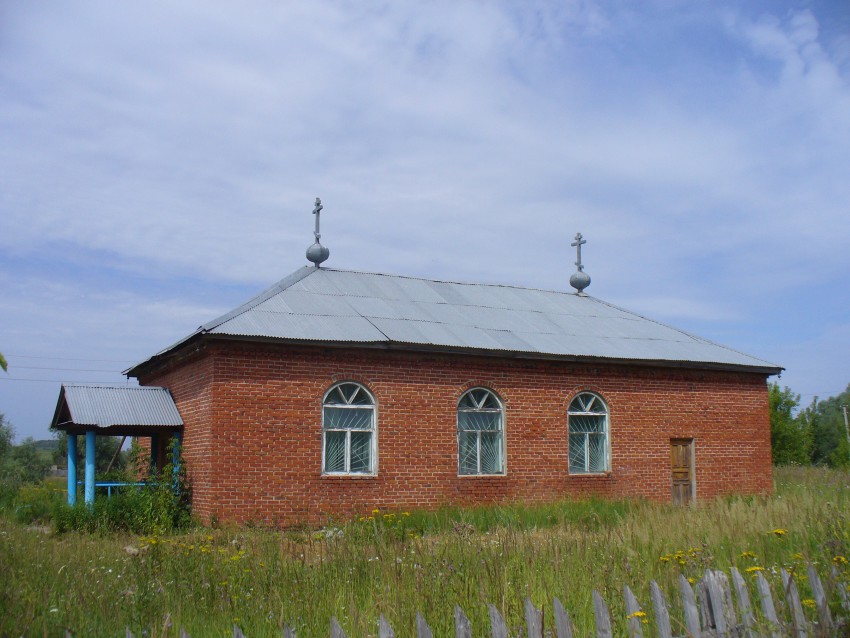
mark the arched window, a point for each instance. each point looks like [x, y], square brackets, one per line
[588, 425]
[348, 430]
[480, 433]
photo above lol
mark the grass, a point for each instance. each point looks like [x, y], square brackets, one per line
[397, 563]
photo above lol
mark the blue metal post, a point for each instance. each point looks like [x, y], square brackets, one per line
[72, 469]
[89, 489]
[154, 450]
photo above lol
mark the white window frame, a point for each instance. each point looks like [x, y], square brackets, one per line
[589, 412]
[501, 432]
[373, 430]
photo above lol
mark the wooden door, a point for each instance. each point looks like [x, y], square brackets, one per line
[682, 460]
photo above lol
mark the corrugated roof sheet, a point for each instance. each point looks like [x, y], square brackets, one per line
[105, 406]
[338, 306]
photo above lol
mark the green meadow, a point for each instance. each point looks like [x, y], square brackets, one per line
[396, 563]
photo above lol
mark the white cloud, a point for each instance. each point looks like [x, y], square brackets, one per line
[702, 151]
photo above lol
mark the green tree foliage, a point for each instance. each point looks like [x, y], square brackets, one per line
[104, 449]
[19, 464]
[3, 363]
[790, 436]
[826, 419]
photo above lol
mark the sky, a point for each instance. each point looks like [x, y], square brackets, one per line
[159, 162]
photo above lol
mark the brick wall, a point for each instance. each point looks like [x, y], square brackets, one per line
[253, 440]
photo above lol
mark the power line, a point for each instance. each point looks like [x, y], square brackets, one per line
[64, 369]
[32, 356]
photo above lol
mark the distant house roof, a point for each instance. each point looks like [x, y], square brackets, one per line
[339, 307]
[117, 409]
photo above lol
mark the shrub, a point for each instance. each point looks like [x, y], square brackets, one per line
[160, 506]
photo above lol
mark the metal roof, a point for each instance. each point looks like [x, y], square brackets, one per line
[324, 305]
[108, 406]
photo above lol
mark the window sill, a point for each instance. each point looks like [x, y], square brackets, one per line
[475, 476]
[591, 474]
[349, 476]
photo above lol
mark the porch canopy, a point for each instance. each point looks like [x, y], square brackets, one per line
[112, 411]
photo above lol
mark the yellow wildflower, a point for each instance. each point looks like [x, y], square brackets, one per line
[798, 556]
[637, 614]
[754, 569]
[664, 559]
[779, 532]
[692, 580]
[839, 560]
[809, 602]
[748, 555]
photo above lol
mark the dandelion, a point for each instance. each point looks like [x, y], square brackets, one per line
[637, 614]
[376, 511]
[809, 602]
[754, 569]
[839, 560]
[748, 555]
[779, 532]
[664, 559]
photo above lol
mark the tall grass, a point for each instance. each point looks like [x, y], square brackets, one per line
[397, 563]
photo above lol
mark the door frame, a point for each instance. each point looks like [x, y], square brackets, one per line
[691, 443]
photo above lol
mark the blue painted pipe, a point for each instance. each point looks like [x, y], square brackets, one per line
[89, 488]
[72, 469]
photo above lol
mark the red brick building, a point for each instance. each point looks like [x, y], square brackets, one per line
[335, 392]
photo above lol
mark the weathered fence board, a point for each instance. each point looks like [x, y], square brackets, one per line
[384, 629]
[336, 630]
[563, 627]
[602, 616]
[462, 627]
[767, 606]
[710, 612]
[689, 605]
[498, 626]
[824, 615]
[744, 605]
[533, 620]
[662, 614]
[422, 628]
[633, 613]
[798, 618]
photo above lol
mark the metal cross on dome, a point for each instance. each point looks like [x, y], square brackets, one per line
[316, 211]
[577, 243]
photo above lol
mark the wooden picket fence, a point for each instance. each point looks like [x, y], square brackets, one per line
[708, 611]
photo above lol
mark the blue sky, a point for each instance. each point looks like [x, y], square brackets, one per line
[159, 162]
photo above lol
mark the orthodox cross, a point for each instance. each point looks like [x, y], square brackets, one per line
[577, 243]
[316, 210]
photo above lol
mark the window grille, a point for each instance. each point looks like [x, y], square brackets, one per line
[588, 434]
[480, 433]
[348, 430]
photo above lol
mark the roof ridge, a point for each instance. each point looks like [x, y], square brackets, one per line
[459, 283]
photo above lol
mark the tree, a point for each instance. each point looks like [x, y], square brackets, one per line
[828, 429]
[19, 464]
[104, 449]
[3, 363]
[790, 436]
[31, 466]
